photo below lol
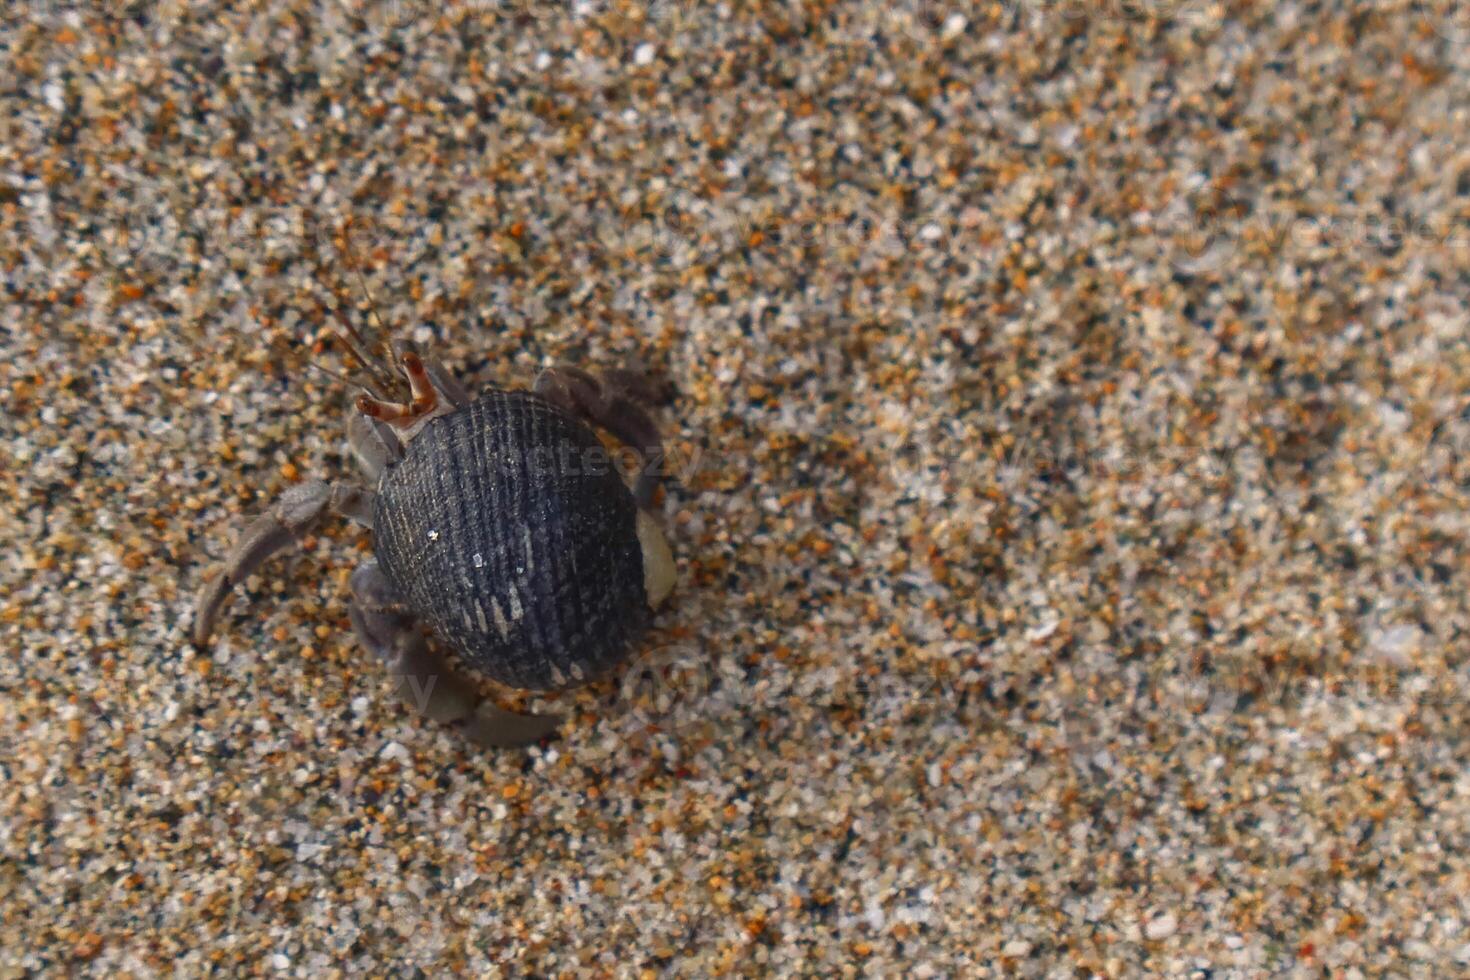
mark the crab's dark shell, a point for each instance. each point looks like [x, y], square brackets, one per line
[508, 530]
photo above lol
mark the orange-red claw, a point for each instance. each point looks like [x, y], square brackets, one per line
[425, 397]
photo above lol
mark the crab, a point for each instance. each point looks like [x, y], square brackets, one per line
[495, 526]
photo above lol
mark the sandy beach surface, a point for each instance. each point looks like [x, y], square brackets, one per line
[1072, 442]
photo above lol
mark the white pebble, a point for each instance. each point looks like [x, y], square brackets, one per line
[1397, 644]
[644, 54]
[1043, 631]
[1161, 926]
[1016, 949]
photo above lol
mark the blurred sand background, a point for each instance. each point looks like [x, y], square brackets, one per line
[1073, 420]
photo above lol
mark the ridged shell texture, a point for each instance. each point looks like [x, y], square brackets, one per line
[509, 531]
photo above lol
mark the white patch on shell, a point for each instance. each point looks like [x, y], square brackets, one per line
[501, 623]
[480, 618]
[530, 551]
[516, 612]
[557, 677]
[577, 671]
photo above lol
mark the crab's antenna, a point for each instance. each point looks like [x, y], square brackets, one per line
[361, 279]
[356, 346]
[334, 375]
[281, 345]
[347, 333]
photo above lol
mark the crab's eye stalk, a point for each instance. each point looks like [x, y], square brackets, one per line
[424, 403]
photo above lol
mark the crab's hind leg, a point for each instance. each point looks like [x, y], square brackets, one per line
[423, 677]
[294, 513]
[614, 402]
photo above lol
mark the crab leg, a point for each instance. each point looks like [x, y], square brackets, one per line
[423, 676]
[614, 404]
[295, 513]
